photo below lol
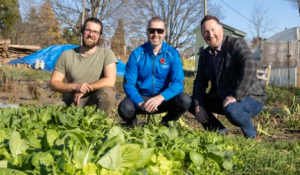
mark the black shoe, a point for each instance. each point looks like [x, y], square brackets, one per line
[131, 123]
[164, 123]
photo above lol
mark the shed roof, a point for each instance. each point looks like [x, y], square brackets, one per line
[286, 35]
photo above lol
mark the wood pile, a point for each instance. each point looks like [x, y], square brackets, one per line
[9, 51]
[19, 51]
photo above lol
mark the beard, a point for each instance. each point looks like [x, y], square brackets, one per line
[89, 43]
[156, 43]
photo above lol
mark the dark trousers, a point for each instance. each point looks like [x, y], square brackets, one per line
[238, 113]
[175, 108]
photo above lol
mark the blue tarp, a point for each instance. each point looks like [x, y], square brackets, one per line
[50, 54]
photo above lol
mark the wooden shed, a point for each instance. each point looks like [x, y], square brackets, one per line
[282, 52]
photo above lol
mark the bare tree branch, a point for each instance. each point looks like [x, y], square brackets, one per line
[180, 16]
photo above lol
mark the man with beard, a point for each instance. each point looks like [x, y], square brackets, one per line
[153, 81]
[90, 71]
[235, 90]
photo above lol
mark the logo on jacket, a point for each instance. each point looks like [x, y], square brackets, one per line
[163, 64]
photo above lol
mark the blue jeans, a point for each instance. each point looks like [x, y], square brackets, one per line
[238, 113]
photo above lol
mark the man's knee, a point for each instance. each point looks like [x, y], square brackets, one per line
[106, 94]
[184, 100]
[126, 107]
[233, 114]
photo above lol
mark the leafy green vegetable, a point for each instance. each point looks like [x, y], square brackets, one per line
[16, 144]
[112, 159]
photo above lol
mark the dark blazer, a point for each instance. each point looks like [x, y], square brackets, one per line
[237, 75]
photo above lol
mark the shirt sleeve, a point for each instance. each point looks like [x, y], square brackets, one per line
[60, 64]
[109, 57]
[248, 69]
[200, 83]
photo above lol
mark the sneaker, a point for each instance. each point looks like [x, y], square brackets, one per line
[164, 123]
[224, 131]
[131, 124]
[257, 139]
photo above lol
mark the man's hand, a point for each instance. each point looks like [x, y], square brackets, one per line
[152, 104]
[77, 98]
[201, 115]
[229, 99]
[141, 105]
[83, 88]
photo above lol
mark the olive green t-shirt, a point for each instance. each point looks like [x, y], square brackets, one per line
[83, 69]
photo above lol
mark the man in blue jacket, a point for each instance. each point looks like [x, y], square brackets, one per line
[153, 81]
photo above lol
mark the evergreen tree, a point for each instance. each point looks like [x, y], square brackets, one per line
[9, 16]
[118, 41]
[51, 25]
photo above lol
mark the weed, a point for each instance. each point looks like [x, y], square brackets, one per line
[292, 115]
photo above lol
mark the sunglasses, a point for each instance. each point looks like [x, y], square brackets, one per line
[159, 31]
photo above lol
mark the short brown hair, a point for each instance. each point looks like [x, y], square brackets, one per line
[94, 20]
[156, 19]
[210, 17]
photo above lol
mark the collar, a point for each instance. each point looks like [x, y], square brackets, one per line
[163, 48]
[214, 52]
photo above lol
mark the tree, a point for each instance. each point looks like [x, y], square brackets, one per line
[9, 16]
[260, 23]
[118, 41]
[68, 11]
[295, 4]
[48, 21]
[180, 16]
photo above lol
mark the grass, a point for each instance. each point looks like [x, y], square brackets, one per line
[25, 73]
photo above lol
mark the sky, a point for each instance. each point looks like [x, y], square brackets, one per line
[285, 15]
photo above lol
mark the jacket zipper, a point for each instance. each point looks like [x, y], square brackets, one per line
[153, 76]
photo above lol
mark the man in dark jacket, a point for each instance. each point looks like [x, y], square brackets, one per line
[235, 90]
[153, 82]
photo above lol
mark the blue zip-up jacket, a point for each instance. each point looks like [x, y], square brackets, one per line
[150, 75]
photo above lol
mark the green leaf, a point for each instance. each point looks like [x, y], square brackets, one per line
[3, 164]
[45, 114]
[196, 158]
[116, 131]
[51, 136]
[89, 169]
[63, 118]
[179, 154]
[41, 159]
[171, 133]
[3, 135]
[5, 153]
[144, 157]
[10, 172]
[94, 117]
[82, 157]
[25, 161]
[130, 154]
[110, 143]
[34, 142]
[76, 136]
[112, 159]
[16, 144]
[227, 165]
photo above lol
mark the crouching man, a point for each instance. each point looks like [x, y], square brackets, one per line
[235, 90]
[153, 81]
[90, 71]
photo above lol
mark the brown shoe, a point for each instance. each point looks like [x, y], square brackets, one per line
[258, 139]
